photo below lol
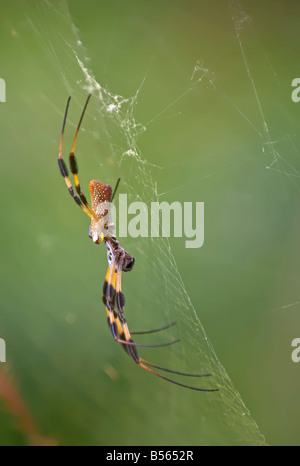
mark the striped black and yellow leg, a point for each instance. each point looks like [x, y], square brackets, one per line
[117, 321]
[64, 171]
[132, 351]
[109, 294]
[74, 165]
[120, 302]
[74, 170]
[118, 327]
[112, 294]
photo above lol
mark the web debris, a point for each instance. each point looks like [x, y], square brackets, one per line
[242, 21]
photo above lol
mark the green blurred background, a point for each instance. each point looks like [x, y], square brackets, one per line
[226, 133]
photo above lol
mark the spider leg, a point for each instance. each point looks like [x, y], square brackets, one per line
[143, 366]
[126, 337]
[117, 322]
[115, 190]
[109, 300]
[132, 351]
[64, 171]
[109, 296]
[154, 330]
[173, 372]
[74, 165]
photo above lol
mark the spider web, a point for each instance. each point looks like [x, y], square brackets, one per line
[155, 292]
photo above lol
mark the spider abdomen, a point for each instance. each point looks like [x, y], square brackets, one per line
[101, 196]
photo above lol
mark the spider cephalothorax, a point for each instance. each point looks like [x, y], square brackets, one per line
[101, 230]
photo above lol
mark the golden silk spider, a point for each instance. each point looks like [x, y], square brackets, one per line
[119, 260]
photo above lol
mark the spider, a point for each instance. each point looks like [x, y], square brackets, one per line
[101, 230]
